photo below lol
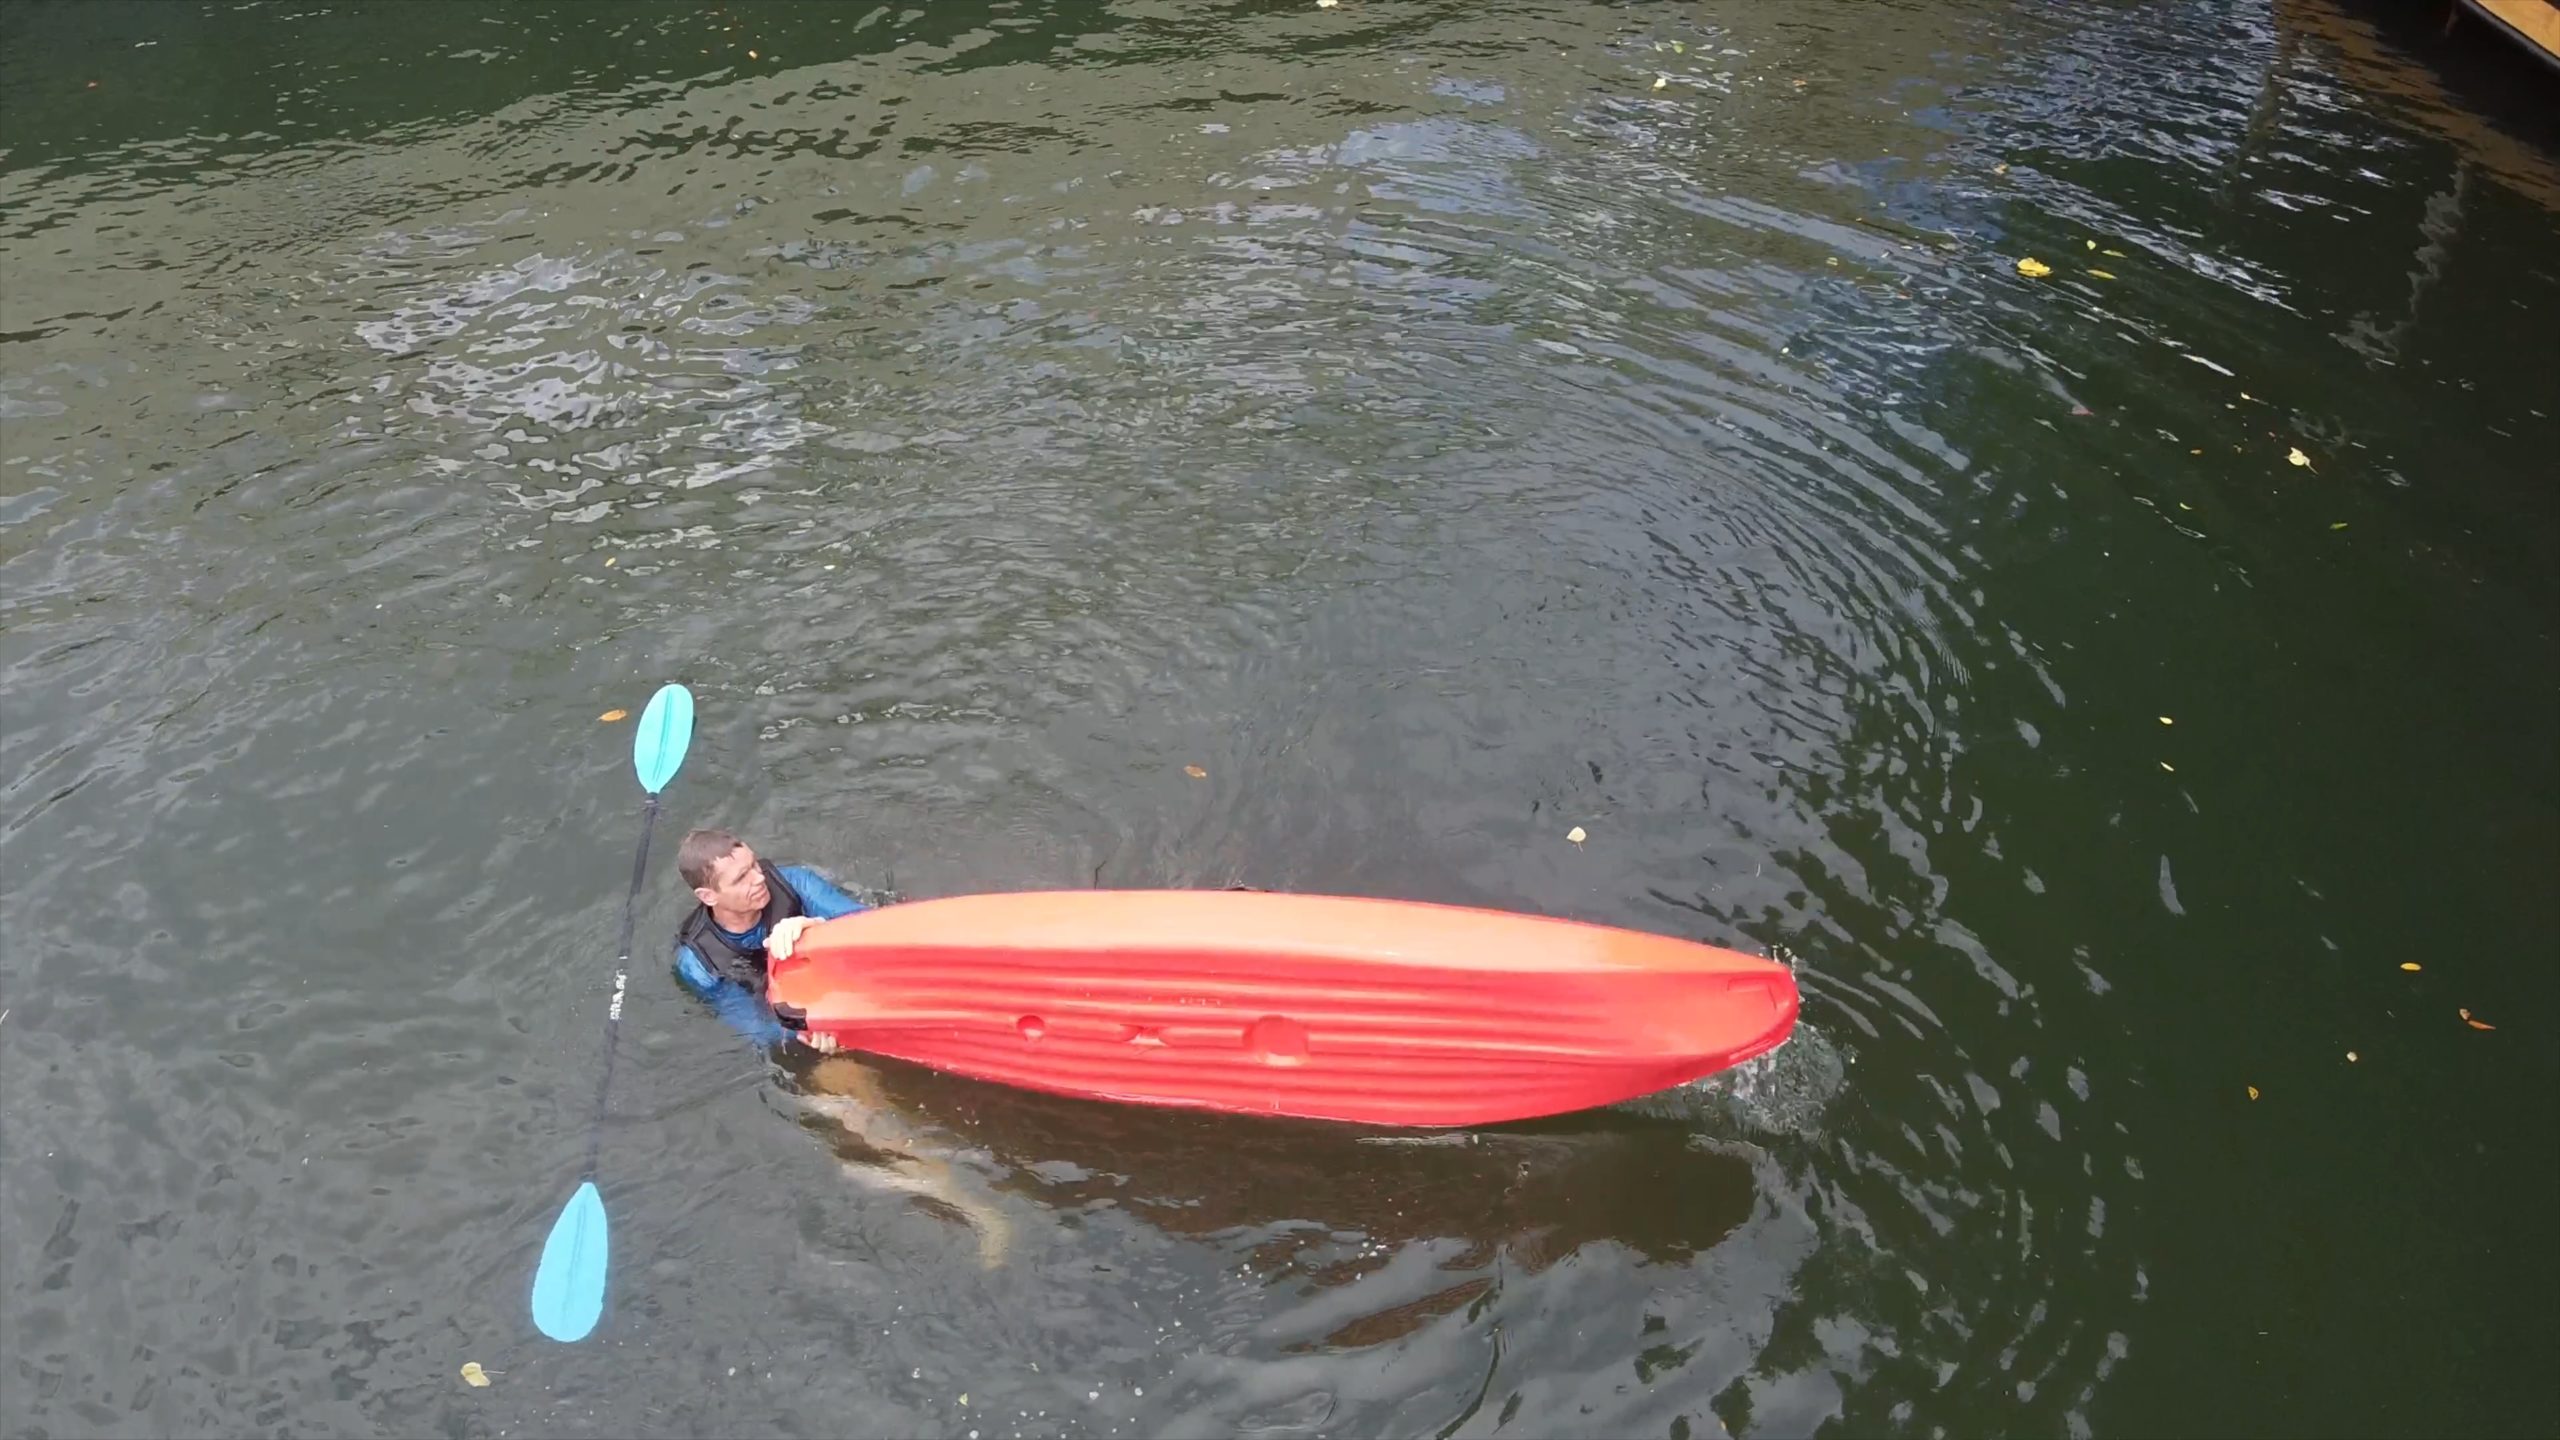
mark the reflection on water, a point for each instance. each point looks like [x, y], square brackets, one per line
[1339, 1241]
[1444, 426]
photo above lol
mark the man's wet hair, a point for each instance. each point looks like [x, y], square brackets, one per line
[700, 851]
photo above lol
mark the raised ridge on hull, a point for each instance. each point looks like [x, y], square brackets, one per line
[1322, 1007]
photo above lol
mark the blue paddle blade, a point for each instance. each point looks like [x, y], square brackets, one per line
[666, 731]
[568, 1289]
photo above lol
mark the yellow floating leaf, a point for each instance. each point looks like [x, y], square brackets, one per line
[2253, 1092]
[2465, 1014]
[1577, 835]
[474, 1376]
[2116, 253]
[2092, 244]
[2410, 965]
[2000, 169]
[2101, 274]
[2165, 765]
[2341, 525]
[1195, 772]
[2295, 456]
[2165, 720]
[1679, 49]
[2351, 1057]
[610, 559]
[2033, 268]
[964, 1397]
[1661, 80]
[753, 55]
[610, 716]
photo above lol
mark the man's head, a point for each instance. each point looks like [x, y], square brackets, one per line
[722, 871]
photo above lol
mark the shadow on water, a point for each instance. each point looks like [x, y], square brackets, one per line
[1338, 1243]
[1533, 1193]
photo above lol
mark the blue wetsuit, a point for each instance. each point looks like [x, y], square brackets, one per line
[730, 996]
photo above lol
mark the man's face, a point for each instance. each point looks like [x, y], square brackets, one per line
[736, 882]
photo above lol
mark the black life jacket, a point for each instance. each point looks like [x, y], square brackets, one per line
[726, 960]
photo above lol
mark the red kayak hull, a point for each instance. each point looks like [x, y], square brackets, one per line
[1377, 1012]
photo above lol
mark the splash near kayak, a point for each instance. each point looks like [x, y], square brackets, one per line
[1378, 1012]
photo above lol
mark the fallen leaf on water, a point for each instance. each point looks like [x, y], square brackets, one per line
[2101, 274]
[2480, 1025]
[2465, 1014]
[2198, 451]
[1679, 49]
[474, 1376]
[1577, 835]
[610, 716]
[2000, 169]
[2245, 395]
[2092, 244]
[2253, 1092]
[2296, 457]
[753, 55]
[2165, 765]
[2033, 268]
[1195, 772]
[2409, 965]
[610, 559]
[2351, 1057]
[2341, 525]
[2116, 253]
[1661, 80]
[2165, 720]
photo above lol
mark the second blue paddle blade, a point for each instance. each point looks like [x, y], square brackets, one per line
[568, 1288]
[666, 731]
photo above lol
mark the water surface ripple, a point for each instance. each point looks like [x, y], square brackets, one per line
[1443, 424]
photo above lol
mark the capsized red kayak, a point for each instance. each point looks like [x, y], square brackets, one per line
[1380, 1012]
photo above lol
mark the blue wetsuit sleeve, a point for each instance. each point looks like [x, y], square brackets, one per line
[748, 1015]
[819, 895]
[744, 1010]
[695, 975]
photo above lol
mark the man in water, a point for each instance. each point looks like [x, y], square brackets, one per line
[751, 913]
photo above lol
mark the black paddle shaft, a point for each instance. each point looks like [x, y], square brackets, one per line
[621, 980]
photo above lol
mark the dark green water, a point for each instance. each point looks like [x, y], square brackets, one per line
[1443, 435]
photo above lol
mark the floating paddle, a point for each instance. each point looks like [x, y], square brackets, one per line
[568, 1287]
